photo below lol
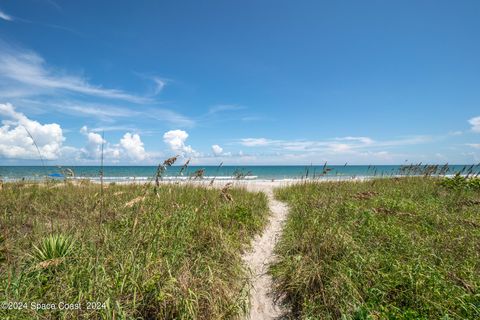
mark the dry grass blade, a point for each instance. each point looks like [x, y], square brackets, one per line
[199, 174]
[461, 282]
[225, 194]
[365, 195]
[49, 263]
[170, 161]
[130, 203]
[216, 174]
[184, 167]
[161, 170]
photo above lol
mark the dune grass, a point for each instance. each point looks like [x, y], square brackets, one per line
[383, 249]
[170, 254]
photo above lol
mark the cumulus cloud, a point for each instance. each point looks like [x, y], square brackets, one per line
[175, 139]
[92, 150]
[130, 147]
[475, 122]
[217, 150]
[15, 139]
[133, 146]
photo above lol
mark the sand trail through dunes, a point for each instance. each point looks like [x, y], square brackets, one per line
[261, 255]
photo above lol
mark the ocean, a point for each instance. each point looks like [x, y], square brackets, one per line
[144, 173]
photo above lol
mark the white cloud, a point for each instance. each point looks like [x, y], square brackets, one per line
[337, 145]
[364, 140]
[5, 16]
[92, 150]
[251, 118]
[455, 133]
[217, 150]
[340, 148]
[343, 149]
[256, 142]
[15, 140]
[27, 79]
[224, 107]
[113, 128]
[475, 122]
[133, 146]
[175, 139]
[109, 113]
[171, 117]
[19, 67]
[130, 147]
[103, 112]
[474, 145]
[159, 84]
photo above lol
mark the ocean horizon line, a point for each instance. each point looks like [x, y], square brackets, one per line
[247, 165]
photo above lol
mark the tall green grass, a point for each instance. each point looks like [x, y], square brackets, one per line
[383, 249]
[173, 254]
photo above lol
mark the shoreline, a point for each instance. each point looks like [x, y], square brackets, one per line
[216, 180]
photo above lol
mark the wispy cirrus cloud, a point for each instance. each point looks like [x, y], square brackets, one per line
[228, 112]
[363, 140]
[347, 144]
[224, 107]
[54, 4]
[27, 80]
[159, 84]
[259, 142]
[5, 16]
[170, 116]
[28, 69]
[110, 113]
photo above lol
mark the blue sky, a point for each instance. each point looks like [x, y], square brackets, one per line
[245, 82]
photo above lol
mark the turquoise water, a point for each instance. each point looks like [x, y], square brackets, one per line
[139, 173]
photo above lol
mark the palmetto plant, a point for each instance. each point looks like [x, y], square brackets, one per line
[55, 246]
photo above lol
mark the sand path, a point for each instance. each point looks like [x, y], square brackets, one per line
[261, 255]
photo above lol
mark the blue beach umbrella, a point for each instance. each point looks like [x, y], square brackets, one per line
[56, 175]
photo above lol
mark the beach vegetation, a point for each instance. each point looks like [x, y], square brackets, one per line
[148, 251]
[396, 248]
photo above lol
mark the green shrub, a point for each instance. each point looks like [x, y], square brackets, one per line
[55, 246]
[459, 182]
